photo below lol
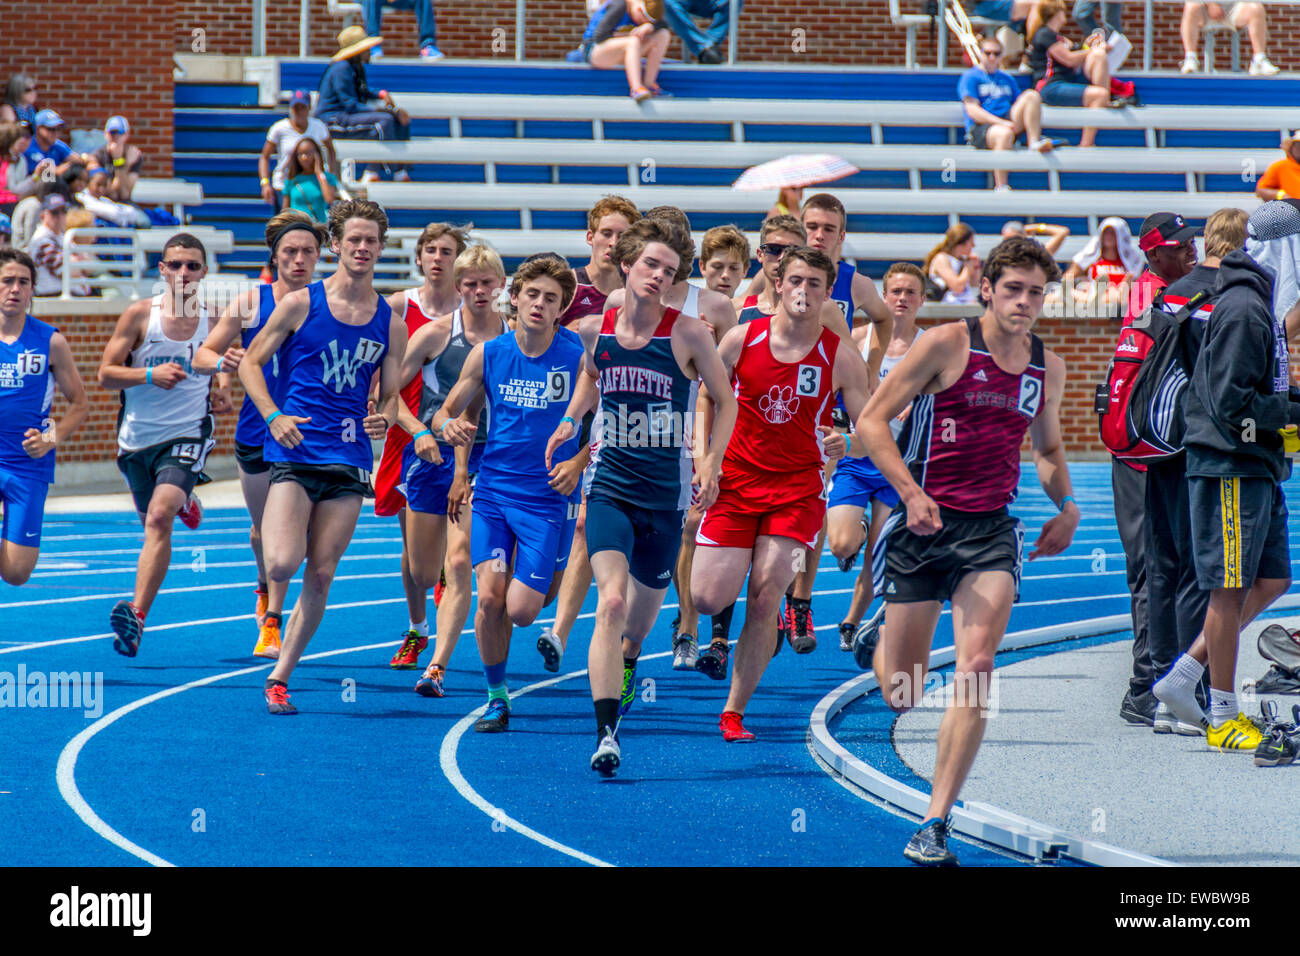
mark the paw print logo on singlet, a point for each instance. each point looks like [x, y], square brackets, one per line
[779, 404]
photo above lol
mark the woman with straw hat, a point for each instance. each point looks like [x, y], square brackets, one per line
[344, 100]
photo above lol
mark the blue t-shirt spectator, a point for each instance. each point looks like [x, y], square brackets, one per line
[995, 91]
[59, 152]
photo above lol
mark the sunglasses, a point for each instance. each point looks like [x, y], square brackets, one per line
[774, 249]
[176, 265]
[29, 89]
[991, 52]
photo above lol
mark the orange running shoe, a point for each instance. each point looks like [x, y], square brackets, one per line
[268, 639]
[407, 657]
[733, 731]
[430, 685]
[261, 605]
[439, 588]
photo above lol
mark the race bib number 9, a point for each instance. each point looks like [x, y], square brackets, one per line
[557, 386]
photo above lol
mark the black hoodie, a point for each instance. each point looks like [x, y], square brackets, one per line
[1240, 390]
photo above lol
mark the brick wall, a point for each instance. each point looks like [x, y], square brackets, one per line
[90, 63]
[829, 31]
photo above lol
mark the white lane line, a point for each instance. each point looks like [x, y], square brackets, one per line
[183, 546]
[189, 566]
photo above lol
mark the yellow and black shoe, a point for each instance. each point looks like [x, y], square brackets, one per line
[1239, 734]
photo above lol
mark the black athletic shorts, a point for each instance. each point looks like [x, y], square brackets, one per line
[177, 462]
[977, 135]
[1239, 531]
[649, 538]
[250, 459]
[323, 482]
[929, 567]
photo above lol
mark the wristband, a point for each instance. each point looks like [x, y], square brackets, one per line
[568, 419]
[220, 361]
[265, 182]
[273, 416]
[148, 375]
[441, 427]
[120, 161]
[1068, 498]
[419, 435]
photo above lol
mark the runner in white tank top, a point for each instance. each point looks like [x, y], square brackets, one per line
[164, 430]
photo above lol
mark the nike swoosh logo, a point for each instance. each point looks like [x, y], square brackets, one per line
[32, 534]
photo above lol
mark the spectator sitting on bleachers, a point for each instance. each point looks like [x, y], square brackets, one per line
[1103, 270]
[1085, 14]
[76, 178]
[27, 214]
[20, 100]
[19, 180]
[46, 144]
[119, 158]
[702, 45]
[343, 100]
[1282, 178]
[648, 38]
[281, 139]
[1065, 76]
[46, 245]
[953, 266]
[6, 230]
[1248, 16]
[1056, 234]
[426, 24]
[997, 112]
[308, 186]
[789, 200]
[76, 264]
[94, 197]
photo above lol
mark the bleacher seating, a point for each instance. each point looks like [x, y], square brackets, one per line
[574, 135]
[115, 261]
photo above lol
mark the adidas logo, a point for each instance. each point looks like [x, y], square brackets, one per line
[891, 589]
[980, 376]
[604, 356]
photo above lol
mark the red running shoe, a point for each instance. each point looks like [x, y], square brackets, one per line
[192, 514]
[407, 657]
[277, 700]
[733, 731]
[439, 588]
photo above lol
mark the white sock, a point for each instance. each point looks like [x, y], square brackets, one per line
[1186, 673]
[1223, 706]
[422, 628]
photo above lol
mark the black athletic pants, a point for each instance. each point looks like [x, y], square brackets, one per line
[1129, 487]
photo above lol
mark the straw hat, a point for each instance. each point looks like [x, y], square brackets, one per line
[353, 40]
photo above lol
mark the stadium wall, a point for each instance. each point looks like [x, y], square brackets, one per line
[1085, 344]
[91, 61]
[812, 32]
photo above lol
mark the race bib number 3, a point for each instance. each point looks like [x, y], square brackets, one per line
[809, 381]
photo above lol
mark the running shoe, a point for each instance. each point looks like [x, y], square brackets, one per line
[799, 625]
[128, 624]
[713, 662]
[1240, 733]
[429, 53]
[548, 645]
[496, 719]
[1280, 646]
[1181, 700]
[440, 588]
[1281, 742]
[268, 641]
[867, 637]
[1142, 709]
[607, 757]
[261, 606]
[1164, 722]
[407, 657]
[733, 731]
[430, 685]
[191, 514]
[846, 635]
[277, 700]
[1260, 65]
[929, 845]
[686, 651]
[675, 628]
[628, 694]
[1278, 681]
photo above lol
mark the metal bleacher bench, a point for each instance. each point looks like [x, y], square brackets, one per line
[176, 193]
[115, 260]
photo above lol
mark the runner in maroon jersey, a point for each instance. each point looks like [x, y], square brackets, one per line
[785, 370]
[978, 386]
[435, 256]
[606, 221]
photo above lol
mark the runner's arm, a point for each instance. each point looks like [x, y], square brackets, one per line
[384, 412]
[1049, 459]
[64, 369]
[716, 377]
[290, 313]
[717, 311]
[219, 347]
[114, 373]
[447, 425]
[851, 380]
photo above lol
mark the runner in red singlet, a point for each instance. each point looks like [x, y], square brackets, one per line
[435, 256]
[975, 387]
[785, 370]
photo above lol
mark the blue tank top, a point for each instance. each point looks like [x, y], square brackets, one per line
[251, 429]
[26, 395]
[326, 369]
[842, 290]
[526, 398]
[646, 404]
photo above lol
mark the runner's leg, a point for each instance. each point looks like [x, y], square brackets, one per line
[156, 554]
[771, 573]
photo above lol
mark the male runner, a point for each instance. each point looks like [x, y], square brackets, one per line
[647, 359]
[164, 428]
[333, 337]
[522, 523]
[978, 386]
[858, 484]
[295, 242]
[786, 370]
[437, 494]
[34, 358]
[606, 221]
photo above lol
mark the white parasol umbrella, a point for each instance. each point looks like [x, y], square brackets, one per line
[793, 171]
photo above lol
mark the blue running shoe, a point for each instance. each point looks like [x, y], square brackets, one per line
[128, 625]
[629, 690]
[929, 845]
[496, 719]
